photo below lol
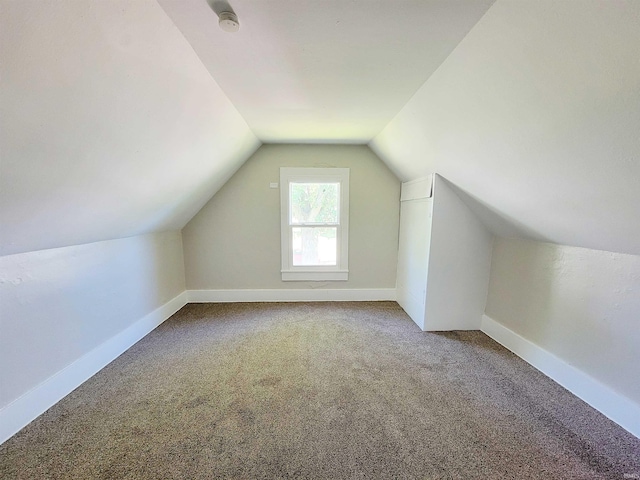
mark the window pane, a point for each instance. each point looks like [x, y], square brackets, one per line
[314, 246]
[314, 203]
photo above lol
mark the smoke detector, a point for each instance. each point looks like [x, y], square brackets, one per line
[228, 22]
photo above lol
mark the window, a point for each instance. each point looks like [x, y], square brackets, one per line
[314, 207]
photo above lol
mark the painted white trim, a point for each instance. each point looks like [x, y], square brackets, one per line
[417, 189]
[292, 295]
[291, 272]
[613, 405]
[22, 411]
[314, 276]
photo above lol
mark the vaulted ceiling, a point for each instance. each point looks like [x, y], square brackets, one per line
[111, 126]
[535, 117]
[125, 117]
[328, 70]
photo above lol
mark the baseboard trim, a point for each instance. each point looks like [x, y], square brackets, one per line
[22, 411]
[616, 407]
[292, 295]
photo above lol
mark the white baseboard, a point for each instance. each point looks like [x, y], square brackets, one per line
[292, 295]
[618, 408]
[22, 411]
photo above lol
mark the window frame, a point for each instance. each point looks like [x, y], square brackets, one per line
[338, 272]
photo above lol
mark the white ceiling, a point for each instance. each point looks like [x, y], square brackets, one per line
[110, 126]
[324, 70]
[535, 117]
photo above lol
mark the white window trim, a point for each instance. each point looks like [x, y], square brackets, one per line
[339, 272]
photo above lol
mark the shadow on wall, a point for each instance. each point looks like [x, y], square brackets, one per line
[498, 223]
[579, 304]
[60, 304]
[511, 275]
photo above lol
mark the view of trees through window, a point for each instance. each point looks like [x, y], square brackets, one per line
[314, 217]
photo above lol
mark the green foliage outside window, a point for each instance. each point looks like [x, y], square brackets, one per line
[315, 203]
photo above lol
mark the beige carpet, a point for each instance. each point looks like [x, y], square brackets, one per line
[318, 390]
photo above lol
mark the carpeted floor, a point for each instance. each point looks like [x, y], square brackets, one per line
[318, 390]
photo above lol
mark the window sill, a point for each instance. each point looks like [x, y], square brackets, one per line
[314, 276]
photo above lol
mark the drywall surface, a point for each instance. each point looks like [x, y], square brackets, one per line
[459, 263]
[110, 127]
[535, 116]
[59, 304]
[581, 305]
[334, 71]
[234, 241]
[413, 257]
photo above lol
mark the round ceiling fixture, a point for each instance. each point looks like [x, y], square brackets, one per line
[228, 22]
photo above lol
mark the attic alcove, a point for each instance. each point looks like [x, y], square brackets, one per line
[147, 109]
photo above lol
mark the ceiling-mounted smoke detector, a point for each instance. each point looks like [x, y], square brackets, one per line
[228, 22]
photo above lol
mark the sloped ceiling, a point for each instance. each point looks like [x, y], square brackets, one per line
[535, 116]
[331, 71]
[111, 126]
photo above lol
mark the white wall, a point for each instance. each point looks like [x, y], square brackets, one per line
[234, 241]
[413, 256]
[581, 305]
[444, 258]
[111, 126]
[61, 304]
[535, 115]
[535, 118]
[459, 263]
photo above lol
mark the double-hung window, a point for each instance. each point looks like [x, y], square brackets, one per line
[314, 204]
